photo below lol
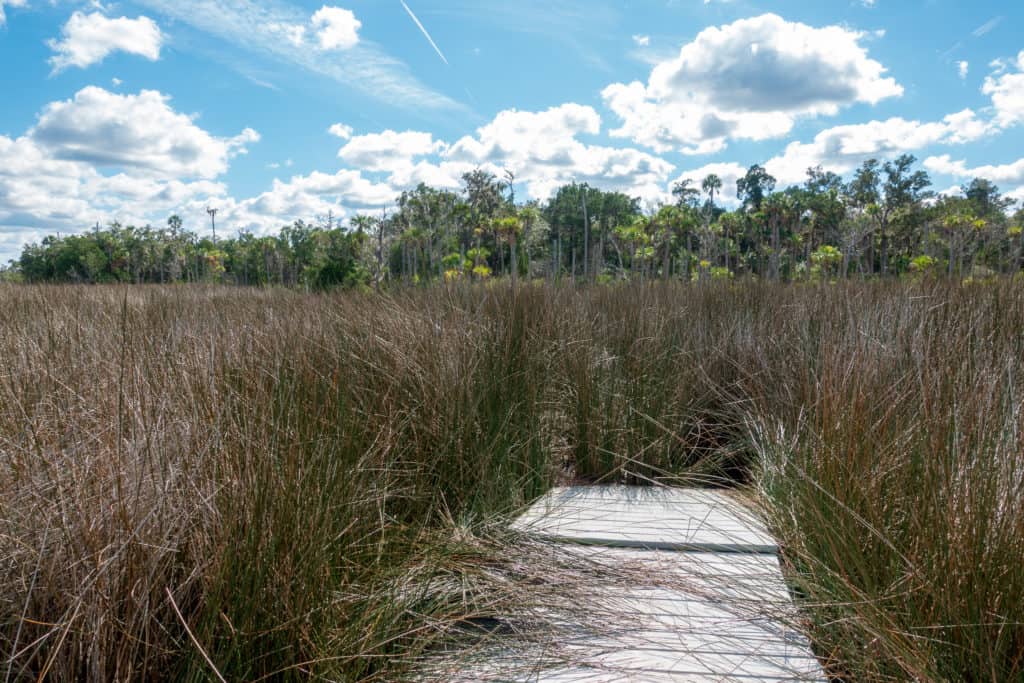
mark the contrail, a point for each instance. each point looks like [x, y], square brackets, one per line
[986, 27]
[424, 30]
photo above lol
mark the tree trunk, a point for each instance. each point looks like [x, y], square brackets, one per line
[871, 253]
[952, 254]
[775, 250]
[586, 239]
[515, 262]
[665, 260]
[885, 248]
[725, 242]
[558, 265]
[554, 259]
[689, 256]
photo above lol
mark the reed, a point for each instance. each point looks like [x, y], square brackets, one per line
[268, 485]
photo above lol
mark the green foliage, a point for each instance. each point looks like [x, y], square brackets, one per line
[300, 255]
[825, 261]
[879, 221]
[922, 264]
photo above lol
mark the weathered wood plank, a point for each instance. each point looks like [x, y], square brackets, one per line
[673, 585]
[647, 517]
[673, 616]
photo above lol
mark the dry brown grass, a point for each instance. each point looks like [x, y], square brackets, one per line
[271, 469]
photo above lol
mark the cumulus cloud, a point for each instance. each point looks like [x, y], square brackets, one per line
[100, 157]
[336, 28]
[1011, 174]
[962, 68]
[543, 150]
[141, 132]
[40, 193]
[304, 197]
[388, 150]
[843, 148]
[641, 40]
[340, 130]
[346, 187]
[1006, 88]
[750, 79]
[87, 39]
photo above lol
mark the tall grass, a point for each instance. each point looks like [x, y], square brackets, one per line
[261, 484]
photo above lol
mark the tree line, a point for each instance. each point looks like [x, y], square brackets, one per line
[884, 221]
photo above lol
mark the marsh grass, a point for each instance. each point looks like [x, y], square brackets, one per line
[266, 485]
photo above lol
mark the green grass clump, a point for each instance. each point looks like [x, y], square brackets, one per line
[261, 484]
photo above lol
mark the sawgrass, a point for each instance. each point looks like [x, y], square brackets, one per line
[261, 484]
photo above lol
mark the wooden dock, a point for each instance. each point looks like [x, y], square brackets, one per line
[680, 585]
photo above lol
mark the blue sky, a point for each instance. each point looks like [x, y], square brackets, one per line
[273, 111]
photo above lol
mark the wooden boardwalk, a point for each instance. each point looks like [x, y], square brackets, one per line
[683, 585]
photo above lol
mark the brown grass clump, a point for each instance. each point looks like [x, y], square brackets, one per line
[261, 484]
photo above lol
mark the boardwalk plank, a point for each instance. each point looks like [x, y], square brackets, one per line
[647, 517]
[675, 585]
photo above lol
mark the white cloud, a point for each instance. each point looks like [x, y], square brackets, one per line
[336, 28]
[1006, 88]
[1012, 174]
[40, 194]
[10, 3]
[388, 150]
[269, 29]
[843, 148]
[340, 130]
[157, 161]
[100, 157]
[347, 186]
[962, 68]
[642, 41]
[88, 39]
[293, 33]
[140, 131]
[750, 79]
[543, 150]
[302, 197]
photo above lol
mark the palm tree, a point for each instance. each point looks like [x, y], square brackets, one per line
[711, 184]
[508, 229]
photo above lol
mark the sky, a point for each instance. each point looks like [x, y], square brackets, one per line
[287, 109]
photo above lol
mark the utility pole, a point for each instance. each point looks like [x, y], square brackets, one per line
[213, 222]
